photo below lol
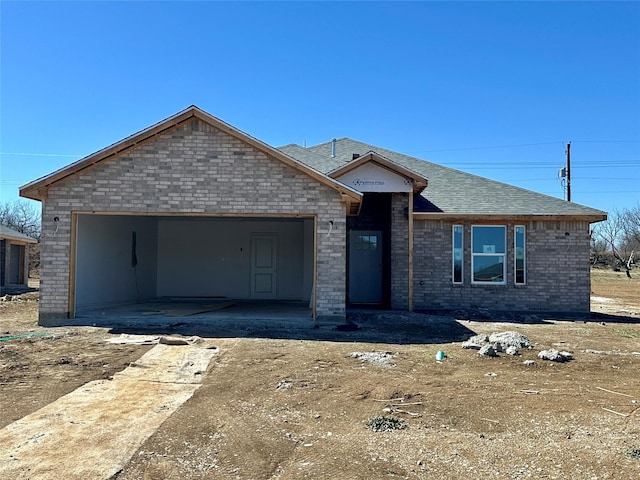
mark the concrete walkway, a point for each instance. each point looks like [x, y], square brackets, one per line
[92, 432]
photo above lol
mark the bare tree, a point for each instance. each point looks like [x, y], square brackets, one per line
[599, 248]
[22, 216]
[632, 227]
[612, 231]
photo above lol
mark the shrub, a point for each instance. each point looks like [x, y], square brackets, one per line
[382, 423]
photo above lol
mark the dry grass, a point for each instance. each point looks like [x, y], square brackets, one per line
[617, 286]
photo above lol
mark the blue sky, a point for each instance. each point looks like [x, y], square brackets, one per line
[495, 89]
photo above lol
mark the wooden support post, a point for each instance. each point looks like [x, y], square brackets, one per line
[72, 264]
[314, 293]
[410, 267]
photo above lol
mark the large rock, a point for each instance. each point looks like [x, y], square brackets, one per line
[510, 339]
[487, 351]
[476, 342]
[555, 356]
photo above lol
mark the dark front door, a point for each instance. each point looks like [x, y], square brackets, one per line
[15, 266]
[365, 266]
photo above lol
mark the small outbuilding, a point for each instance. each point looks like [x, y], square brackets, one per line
[14, 257]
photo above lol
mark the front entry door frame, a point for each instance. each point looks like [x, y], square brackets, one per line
[366, 267]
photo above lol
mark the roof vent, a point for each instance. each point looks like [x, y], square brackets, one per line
[333, 148]
[354, 156]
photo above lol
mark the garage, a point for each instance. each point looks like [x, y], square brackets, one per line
[132, 259]
[191, 208]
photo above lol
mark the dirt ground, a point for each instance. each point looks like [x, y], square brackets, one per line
[289, 408]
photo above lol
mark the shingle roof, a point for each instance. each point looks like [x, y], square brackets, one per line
[450, 191]
[11, 234]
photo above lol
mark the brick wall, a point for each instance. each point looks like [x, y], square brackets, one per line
[557, 269]
[399, 251]
[195, 169]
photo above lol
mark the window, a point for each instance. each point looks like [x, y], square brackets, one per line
[457, 254]
[519, 255]
[488, 254]
[366, 242]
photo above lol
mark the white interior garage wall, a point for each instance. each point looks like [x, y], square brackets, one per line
[104, 273]
[212, 256]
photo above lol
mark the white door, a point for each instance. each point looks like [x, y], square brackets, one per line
[365, 266]
[264, 249]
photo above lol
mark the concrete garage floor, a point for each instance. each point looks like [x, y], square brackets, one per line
[205, 314]
[286, 320]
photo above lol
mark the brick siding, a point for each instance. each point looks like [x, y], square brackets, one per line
[195, 169]
[399, 251]
[557, 269]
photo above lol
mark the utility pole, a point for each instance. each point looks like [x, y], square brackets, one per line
[569, 172]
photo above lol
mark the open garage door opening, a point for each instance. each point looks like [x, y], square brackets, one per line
[134, 259]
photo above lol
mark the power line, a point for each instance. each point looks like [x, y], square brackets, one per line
[455, 149]
[607, 141]
[29, 154]
[540, 166]
[486, 147]
[518, 145]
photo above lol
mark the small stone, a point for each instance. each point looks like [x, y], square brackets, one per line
[373, 357]
[284, 385]
[529, 363]
[491, 374]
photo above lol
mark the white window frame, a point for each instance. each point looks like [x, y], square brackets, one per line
[503, 254]
[453, 255]
[524, 255]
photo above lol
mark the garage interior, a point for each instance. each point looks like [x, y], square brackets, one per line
[155, 265]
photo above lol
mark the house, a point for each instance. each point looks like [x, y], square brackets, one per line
[194, 207]
[14, 258]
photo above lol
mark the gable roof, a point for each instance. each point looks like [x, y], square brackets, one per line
[450, 193]
[418, 181]
[37, 190]
[12, 234]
